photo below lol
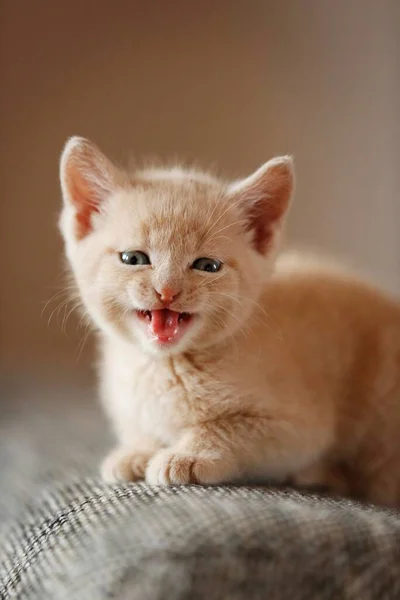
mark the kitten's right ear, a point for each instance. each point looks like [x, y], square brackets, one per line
[88, 178]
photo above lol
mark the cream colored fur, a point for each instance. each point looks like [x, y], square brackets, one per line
[291, 367]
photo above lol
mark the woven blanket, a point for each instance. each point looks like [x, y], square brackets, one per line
[66, 535]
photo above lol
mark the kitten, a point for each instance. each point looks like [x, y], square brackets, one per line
[220, 360]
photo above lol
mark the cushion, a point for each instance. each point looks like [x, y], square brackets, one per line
[65, 534]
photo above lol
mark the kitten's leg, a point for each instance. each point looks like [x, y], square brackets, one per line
[233, 448]
[125, 463]
[177, 466]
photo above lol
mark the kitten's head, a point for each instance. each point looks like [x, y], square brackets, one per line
[170, 260]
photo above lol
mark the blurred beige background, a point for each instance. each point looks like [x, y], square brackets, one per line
[226, 82]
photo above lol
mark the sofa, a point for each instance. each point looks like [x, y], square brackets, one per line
[66, 535]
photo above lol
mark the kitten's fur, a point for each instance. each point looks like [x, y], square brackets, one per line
[290, 368]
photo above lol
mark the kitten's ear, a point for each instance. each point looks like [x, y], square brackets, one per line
[88, 178]
[265, 197]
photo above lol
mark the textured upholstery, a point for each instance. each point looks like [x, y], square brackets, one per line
[64, 534]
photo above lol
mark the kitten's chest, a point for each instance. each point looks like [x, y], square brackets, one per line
[166, 397]
[160, 398]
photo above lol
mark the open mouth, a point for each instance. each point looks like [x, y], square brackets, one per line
[165, 326]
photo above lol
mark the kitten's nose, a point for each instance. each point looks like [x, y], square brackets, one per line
[167, 295]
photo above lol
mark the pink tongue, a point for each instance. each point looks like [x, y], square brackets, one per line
[164, 323]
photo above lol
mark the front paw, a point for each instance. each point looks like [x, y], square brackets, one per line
[124, 465]
[172, 468]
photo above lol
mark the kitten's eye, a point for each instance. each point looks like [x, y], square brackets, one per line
[134, 257]
[210, 265]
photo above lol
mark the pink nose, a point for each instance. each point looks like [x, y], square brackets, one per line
[167, 295]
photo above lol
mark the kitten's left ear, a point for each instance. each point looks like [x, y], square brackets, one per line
[265, 196]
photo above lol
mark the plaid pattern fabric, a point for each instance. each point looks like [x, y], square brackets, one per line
[65, 535]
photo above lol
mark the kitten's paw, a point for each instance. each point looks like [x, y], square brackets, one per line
[171, 468]
[124, 465]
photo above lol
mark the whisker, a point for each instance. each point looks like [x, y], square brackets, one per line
[67, 316]
[239, 299]
[230, 225]
[210, 216]
[210, 230]
[214, 234]
[85, 316]
[212, 281]
[53, 298]
[229, 207]
[82, 343]
[219, 320]
[221, 307]
[58, 308]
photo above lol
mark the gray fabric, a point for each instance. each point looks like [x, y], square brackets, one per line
[64, 534]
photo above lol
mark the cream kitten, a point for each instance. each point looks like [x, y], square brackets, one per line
[220, 363]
